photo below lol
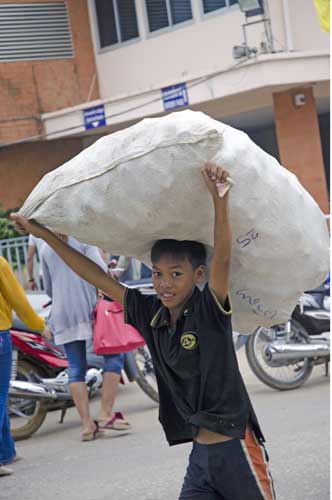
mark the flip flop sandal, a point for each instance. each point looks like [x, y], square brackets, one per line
[91, 435]
[117, 423]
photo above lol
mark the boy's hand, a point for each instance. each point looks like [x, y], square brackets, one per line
[218, 183]
[23, 225]
[217, 180]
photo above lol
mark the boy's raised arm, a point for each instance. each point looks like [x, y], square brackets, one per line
[80, 264]
[216, 179]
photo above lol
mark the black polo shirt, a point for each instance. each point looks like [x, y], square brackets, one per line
[197, 373]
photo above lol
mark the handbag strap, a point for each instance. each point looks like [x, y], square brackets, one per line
[111, 306]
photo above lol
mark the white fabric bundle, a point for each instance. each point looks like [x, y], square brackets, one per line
[144, 183]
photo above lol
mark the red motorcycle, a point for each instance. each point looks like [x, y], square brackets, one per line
[33, 361]
[39, 379]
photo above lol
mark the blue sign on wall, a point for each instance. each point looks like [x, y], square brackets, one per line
[175, 96]
[94, 117]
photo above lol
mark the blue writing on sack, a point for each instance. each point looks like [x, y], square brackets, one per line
[248, 238]
[256, 303]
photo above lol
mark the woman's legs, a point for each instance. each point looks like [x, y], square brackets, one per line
[110, 385]
[113, 364]
[7, 447]
[75, 352]
[81, 400]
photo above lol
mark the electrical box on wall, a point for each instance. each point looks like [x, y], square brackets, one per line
[299, 100]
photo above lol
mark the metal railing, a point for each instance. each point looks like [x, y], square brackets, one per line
[15, 251]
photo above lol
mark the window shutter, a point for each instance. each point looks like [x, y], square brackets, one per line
[180, 10]
[211, 5]
[157, 14]
[34, 31]
[127, 19]
[106, 23]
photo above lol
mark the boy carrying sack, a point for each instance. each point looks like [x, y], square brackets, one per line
[189, 334]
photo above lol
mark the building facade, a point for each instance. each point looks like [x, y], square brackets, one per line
[131, 59]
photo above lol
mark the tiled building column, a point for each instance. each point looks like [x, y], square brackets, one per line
[299, 140]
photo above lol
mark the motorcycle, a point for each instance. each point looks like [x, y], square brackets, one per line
[39, 379]
[283, 356]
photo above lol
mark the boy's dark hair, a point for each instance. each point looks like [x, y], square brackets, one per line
[192, 250]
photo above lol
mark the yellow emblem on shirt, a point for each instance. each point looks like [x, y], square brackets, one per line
[189, 341]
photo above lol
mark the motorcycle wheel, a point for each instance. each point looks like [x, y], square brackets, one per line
[26, 415]
[146, 377]
[290, 375]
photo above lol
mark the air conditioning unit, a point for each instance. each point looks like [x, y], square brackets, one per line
[251, 7]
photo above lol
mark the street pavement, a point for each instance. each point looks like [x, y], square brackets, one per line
[141, 466]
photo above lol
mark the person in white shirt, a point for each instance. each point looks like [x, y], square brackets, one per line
[34, 248]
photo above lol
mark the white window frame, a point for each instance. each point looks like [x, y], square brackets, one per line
[170, 27]
[118, 44]
[217, 12]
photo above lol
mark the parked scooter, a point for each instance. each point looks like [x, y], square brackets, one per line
[283, 356]
[39, 381]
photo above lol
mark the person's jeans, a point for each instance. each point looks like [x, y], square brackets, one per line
[7, 446]
[76, 355]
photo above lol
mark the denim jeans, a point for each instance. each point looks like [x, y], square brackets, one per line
[7, 446]
[76, 355]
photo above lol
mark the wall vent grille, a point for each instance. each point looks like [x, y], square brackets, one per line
[31, 31]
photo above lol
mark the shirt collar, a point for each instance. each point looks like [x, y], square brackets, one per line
[162, 316]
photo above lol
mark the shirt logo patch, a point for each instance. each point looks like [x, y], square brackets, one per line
[189, 341]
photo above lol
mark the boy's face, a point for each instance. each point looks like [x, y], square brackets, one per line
[174, 280]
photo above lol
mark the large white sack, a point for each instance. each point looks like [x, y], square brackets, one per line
[135, 186]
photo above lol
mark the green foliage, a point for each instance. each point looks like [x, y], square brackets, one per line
[7, 229]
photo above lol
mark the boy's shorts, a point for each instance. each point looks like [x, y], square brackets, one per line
[230, 470]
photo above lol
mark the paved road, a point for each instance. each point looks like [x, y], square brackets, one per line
[141, 466]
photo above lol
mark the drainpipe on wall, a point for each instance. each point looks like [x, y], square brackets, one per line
[288, 27]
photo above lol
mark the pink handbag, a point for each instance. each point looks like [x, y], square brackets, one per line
[111, 334]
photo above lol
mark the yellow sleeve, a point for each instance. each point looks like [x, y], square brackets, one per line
[14, 295]
[323, 10]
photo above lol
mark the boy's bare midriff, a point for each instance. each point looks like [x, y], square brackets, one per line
[205, 436]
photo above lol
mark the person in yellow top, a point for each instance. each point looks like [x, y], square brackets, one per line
[323, 10]
[12, 297]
